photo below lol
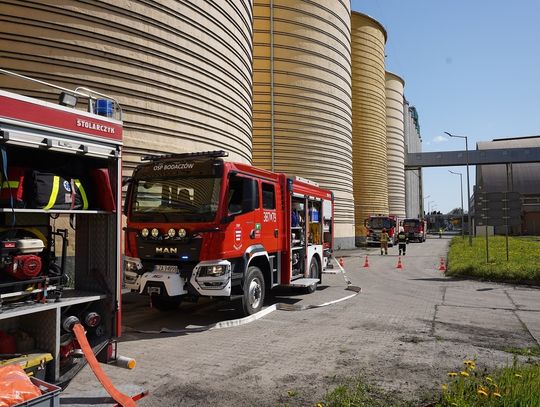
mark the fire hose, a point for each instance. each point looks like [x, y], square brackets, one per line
[117, 395]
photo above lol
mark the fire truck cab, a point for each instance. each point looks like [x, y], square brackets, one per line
[415, 229]
[376, 223]
[200, 226]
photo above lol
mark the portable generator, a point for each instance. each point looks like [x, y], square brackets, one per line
[19, 258]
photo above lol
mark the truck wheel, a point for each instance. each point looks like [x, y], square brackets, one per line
[253, 297]
[314, 272]
[166, 303]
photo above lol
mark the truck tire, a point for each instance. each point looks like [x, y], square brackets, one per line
[314, 272]
[253, 296]
[166, 303]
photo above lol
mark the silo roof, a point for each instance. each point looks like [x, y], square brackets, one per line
[374, 21]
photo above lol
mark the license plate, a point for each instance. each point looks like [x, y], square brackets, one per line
[153, 290]
[165, 268]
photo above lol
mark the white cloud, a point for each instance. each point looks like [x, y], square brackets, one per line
[439, 139]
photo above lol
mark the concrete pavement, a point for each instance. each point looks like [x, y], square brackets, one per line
[404, 331]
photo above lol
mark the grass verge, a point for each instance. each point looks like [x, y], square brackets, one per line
[517, 385]
[523, 265]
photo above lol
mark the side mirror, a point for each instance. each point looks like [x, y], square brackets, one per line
[129, 193]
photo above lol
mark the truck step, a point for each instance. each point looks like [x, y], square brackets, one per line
[304, 282]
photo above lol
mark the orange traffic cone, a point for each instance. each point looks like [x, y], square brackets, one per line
[366, 262]
[399, 265]
[442, 267]
[341, 262]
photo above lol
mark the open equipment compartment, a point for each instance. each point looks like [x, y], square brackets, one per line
[60, 257]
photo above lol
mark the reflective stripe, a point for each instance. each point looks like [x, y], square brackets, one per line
[54, 192]
[10, 184]
[83, 193]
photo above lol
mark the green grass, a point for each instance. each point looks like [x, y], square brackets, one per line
[518, 385]
[523, 265]
[357, 393]
[534, 351]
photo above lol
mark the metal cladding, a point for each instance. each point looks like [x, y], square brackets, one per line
[181, 72]
[395, 144]
[413, 178]
[302, 118]
[370, 174]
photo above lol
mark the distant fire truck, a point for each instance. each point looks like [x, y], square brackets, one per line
[415, 229]
[376, 223]
[200, 226]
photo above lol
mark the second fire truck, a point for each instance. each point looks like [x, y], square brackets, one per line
[198, 225]
[376, 223]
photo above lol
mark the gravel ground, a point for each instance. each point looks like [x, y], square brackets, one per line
[405, 330]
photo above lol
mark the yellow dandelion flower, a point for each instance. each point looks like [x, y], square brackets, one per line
[452, 374]
[444, 387]
[489, 379]
[518, 375]
[464, 374]
[497, 395]
[482, 393]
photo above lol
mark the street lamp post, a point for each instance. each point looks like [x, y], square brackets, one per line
[468, 187]
[423, 207]
[461, 187]
[429, 205]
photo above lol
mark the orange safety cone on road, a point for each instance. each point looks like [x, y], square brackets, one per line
[341, 262]
[399, 265]
[442, 267]
[366, 262]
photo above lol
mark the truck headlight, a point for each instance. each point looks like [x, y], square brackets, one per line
[155, 232]
[171, 232]
[145, 232]
[132, 264]
[213, 271]
[182, 233]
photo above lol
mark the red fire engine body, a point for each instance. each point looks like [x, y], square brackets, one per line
[72, 158]
[376, 223]
[200, 226]
[415, 229]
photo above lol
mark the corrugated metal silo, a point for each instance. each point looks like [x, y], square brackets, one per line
[302, 121]
[395, 139]
[182, 72]
[370, 175]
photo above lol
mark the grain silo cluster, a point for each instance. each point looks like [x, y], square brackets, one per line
[291, 86]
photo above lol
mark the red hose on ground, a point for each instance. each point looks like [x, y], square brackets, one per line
[118, 396]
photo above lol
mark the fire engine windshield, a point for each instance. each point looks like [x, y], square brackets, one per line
[176, 199]
[411, 223]
[380, 223]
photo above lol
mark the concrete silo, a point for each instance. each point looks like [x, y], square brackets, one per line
[302, 120]
[182, 72]
[395, 144]
[370, 174]
[413, 178]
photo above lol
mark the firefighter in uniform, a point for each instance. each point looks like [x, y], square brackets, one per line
[402, 242]
[384, 242]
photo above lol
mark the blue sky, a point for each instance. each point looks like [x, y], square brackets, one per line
[471, 67]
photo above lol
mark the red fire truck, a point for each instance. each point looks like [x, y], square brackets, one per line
[376, 223]
[200, 226]
[415, 229]
[60, 177]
